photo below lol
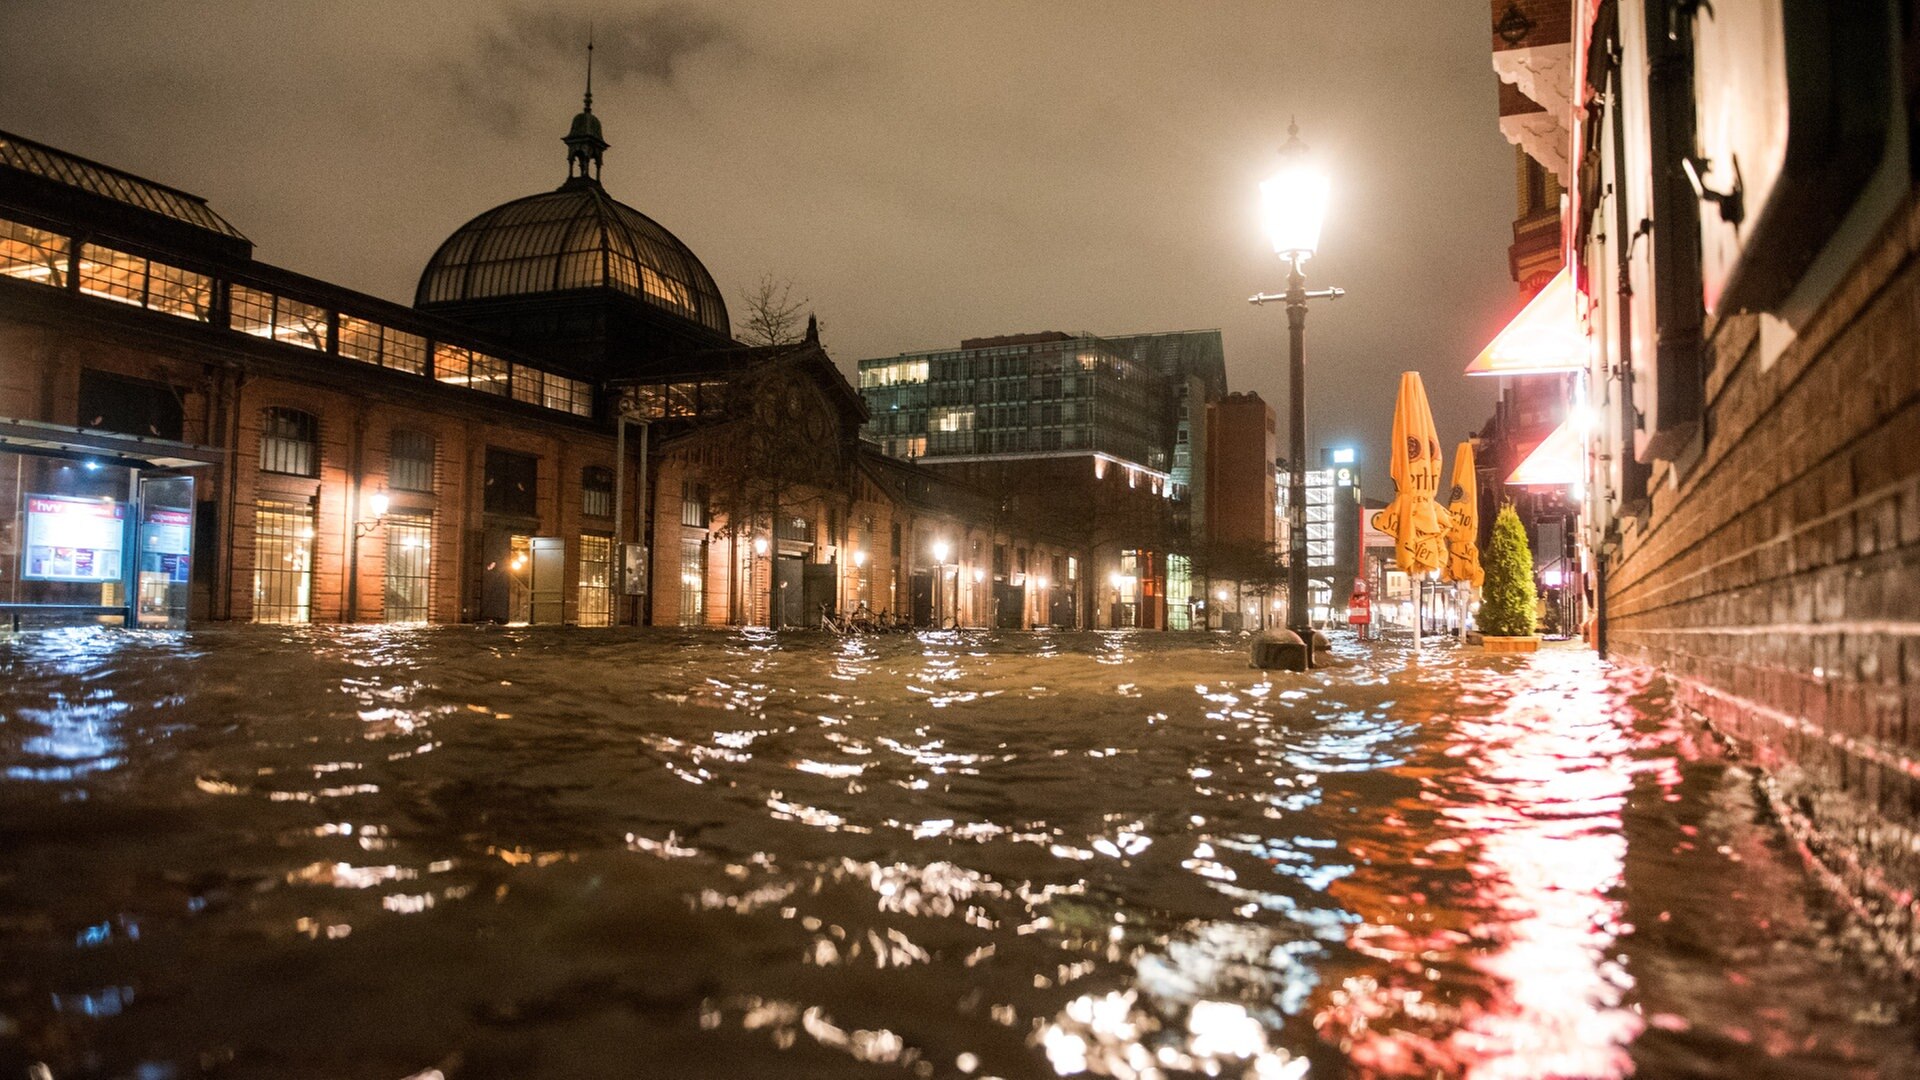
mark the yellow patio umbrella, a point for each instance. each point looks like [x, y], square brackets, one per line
[1463, 504]
[1415, 519]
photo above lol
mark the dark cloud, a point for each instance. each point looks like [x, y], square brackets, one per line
[923, 172]
[526, 46]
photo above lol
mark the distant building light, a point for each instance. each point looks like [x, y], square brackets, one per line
[1344, 456]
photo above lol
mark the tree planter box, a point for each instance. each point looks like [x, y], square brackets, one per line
[1493, 644]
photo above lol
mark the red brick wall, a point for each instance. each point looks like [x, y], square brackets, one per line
[1778, 579]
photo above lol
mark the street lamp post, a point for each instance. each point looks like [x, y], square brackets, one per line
[1293, 205]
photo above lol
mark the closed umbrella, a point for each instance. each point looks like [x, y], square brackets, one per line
[1415, 519]
[1463, 537]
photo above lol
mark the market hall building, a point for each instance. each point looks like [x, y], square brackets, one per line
[187, 433]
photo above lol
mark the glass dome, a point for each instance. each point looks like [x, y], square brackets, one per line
[573, 238]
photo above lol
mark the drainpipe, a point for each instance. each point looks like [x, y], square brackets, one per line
[619, 515]
[355, 481]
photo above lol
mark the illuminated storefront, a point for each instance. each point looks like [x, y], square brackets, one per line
[98, 527]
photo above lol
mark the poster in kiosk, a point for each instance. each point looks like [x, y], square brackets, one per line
[89, 540]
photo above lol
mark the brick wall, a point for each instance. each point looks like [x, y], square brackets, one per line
[1778, 578]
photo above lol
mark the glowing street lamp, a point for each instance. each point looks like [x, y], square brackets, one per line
[1293, 204]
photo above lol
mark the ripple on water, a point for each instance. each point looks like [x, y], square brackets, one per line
[387, 852]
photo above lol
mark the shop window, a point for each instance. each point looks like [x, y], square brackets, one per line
[289, 442]
[596, 580]
[512, 483]
[596, 491]
[283, 562]
[130, 406]
[410, 461]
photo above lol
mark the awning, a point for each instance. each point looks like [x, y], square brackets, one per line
[1557, 461]
[106, 446]
[1545, 337]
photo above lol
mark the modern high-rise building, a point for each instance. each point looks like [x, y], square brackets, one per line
[1100, 430]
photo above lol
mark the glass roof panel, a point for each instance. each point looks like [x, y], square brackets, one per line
[61, 168]
[572, 238]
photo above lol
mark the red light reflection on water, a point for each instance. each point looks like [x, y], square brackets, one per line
[1525, 808]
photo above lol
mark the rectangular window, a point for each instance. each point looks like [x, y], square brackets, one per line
[469, 368]
[693, 504]
[281, 318]
[410, 461]
[402, 351]
[596, 580]
[130, 406]
[409, 568]
[693, 582]
[289, 443]
[182, 293]
[529, 385]
[596, 492]
[297, 323]
[511, 483]
[30, 254]
[569, 395]
[113, 275]
[250, 311]
[372, 343]
[359, 339]
[283, 562]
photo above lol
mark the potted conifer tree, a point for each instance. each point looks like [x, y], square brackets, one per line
[1507, 599]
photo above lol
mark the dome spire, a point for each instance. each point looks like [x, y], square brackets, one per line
[584, 143]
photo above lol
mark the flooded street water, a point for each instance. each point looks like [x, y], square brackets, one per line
[358, 852]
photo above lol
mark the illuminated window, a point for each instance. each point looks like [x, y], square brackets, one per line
[282, 562]
[173, 291]
[113, 275]
[596, 580]
[402, 351]
[30, 254]
[281, 318]
[470, 368]
[289, 443]
[409, 576]
[693, 581]
[373, 343]
[568, 395]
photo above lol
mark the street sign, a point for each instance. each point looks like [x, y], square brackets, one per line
[1360, 604]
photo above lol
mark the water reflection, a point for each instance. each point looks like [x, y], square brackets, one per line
[479, 852]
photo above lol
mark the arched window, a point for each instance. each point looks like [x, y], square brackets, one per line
[289, 442]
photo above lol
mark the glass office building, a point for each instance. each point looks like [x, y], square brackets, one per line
[1042, 394]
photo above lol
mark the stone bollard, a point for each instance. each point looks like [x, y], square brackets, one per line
[1321, 649]
[1280, 650]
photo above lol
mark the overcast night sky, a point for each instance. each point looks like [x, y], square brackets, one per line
[922, 172]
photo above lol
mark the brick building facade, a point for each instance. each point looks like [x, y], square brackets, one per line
[1752, 510]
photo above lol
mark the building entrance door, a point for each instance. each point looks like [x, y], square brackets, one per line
[540, 571]
[921, 601]
[788, 592]
[165, 544]
[819, 585]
